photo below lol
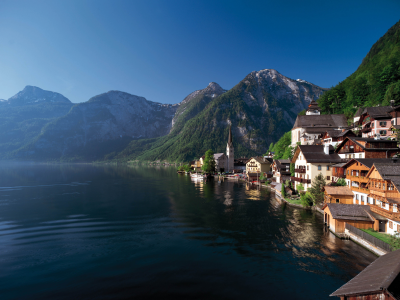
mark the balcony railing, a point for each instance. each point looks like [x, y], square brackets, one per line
[385, 213]
[300, 170]
[357, 178]
[347, 150]
[359, 189]
[302, 180]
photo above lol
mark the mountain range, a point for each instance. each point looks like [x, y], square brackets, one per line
[45, 126]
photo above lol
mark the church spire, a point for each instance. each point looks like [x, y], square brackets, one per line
[230, 136]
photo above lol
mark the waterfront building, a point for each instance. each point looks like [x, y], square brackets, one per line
[311, 160]
[380, 280]
[281, 170]
[355, 147]
[384, 190]
[225, 162]
[356, 177]
[308, 128]
[338, 194]
[257, 165]
[338, 171]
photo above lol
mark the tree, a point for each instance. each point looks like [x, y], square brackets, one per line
[316, 192]
[300, 187]
[262, 177]
[283, 191]
[341, 182]
[209, 162]
[306, 199]
[292, 172]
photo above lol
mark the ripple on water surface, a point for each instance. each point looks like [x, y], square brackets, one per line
[101, 232]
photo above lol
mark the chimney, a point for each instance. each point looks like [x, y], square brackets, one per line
[392, 103]
[326, 149]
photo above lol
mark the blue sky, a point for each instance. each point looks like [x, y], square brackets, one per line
[164, 50]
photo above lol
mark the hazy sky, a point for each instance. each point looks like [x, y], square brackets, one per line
[164, 50]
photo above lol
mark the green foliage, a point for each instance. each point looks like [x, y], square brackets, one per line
[262, 177]
[300, 187]
[292, 167]
[282, 147]
[306, 199]
[271, 147]
[316, 192]
[302, 113]
[283, 191]
[184, 168]
[209, 162]
[341, 182]
[376, 81]
[394, 241]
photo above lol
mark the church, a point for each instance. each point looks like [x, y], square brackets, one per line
[225, 162]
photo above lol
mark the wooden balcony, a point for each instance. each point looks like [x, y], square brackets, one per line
[385, 213]
[357, 178]
[359, 189]
[302, 180]
[300, 170]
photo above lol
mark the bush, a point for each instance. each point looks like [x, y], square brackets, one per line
[306, 199]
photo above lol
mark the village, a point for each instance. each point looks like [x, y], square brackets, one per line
[348, 172]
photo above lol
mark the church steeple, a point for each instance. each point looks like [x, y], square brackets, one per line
[230, 144]
[230, 152]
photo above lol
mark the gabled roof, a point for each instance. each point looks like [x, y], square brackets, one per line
[338, 190]
[350, 211]
[358, 112]
[380, 275]
[339, 133]
[368, 162]
[388, 171]
[378, 112]
[261, 160]
[327, 121]
[357, 141]
[218, 155]
[316, 154]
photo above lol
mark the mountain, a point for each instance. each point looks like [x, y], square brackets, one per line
[375, 82]
[262, 107]
[104, 124]
[24, 115]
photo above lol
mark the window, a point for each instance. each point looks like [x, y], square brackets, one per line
[360, 155]
[348, 172]
[337, 201]
[327, 168]
[382, 132]
[319, 168]
[328, 177]
[392, 122]
[372, 124]
[382, 124]
[356, 196]
[390, 224]
[307, 168]
[362, 198]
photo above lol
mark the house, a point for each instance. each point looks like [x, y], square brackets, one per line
[380, 280]
[239, 164]
[336, 216]
[354, 147]
[257, 165]
[338, 171]
[378, 120]
[281, 170]
[335, 137]
[311, 160]
[308, 128]
[338, 194]
[384, 191]
[196, 165]
[356, 177]
[225, 162]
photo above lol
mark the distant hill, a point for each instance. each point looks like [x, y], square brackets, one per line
[24, 115]
[375, 82]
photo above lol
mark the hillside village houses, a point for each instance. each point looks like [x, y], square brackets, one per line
[308, 128]
[355, 147]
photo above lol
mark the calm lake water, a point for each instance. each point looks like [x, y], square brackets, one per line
[105, 232]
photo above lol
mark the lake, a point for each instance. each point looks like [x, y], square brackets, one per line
[123, 232]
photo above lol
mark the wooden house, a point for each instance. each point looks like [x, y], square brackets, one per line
[338, 194]
[379, 281]
[384, 187]
[366, 148]
[336, 216]
[338, 171]
[281, 170]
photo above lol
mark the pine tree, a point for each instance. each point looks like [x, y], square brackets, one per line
[316, 189]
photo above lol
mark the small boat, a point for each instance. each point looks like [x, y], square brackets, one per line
[197, 176]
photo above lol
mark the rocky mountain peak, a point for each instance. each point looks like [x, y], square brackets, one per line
[32, 94]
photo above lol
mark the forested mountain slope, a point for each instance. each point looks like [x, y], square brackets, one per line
[260, 108]
[376, 81]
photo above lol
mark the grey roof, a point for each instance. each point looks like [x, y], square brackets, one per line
[316, 154]
[218, 155]
[350, 211]
[339, 133]
[378, 276]
[340, 165]
[368, 162]
[327, 121]
[396, 126]
[358, 112]
[378, 112]
[389, 171]
[261, 160]
[284, 161]
[369, 140]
